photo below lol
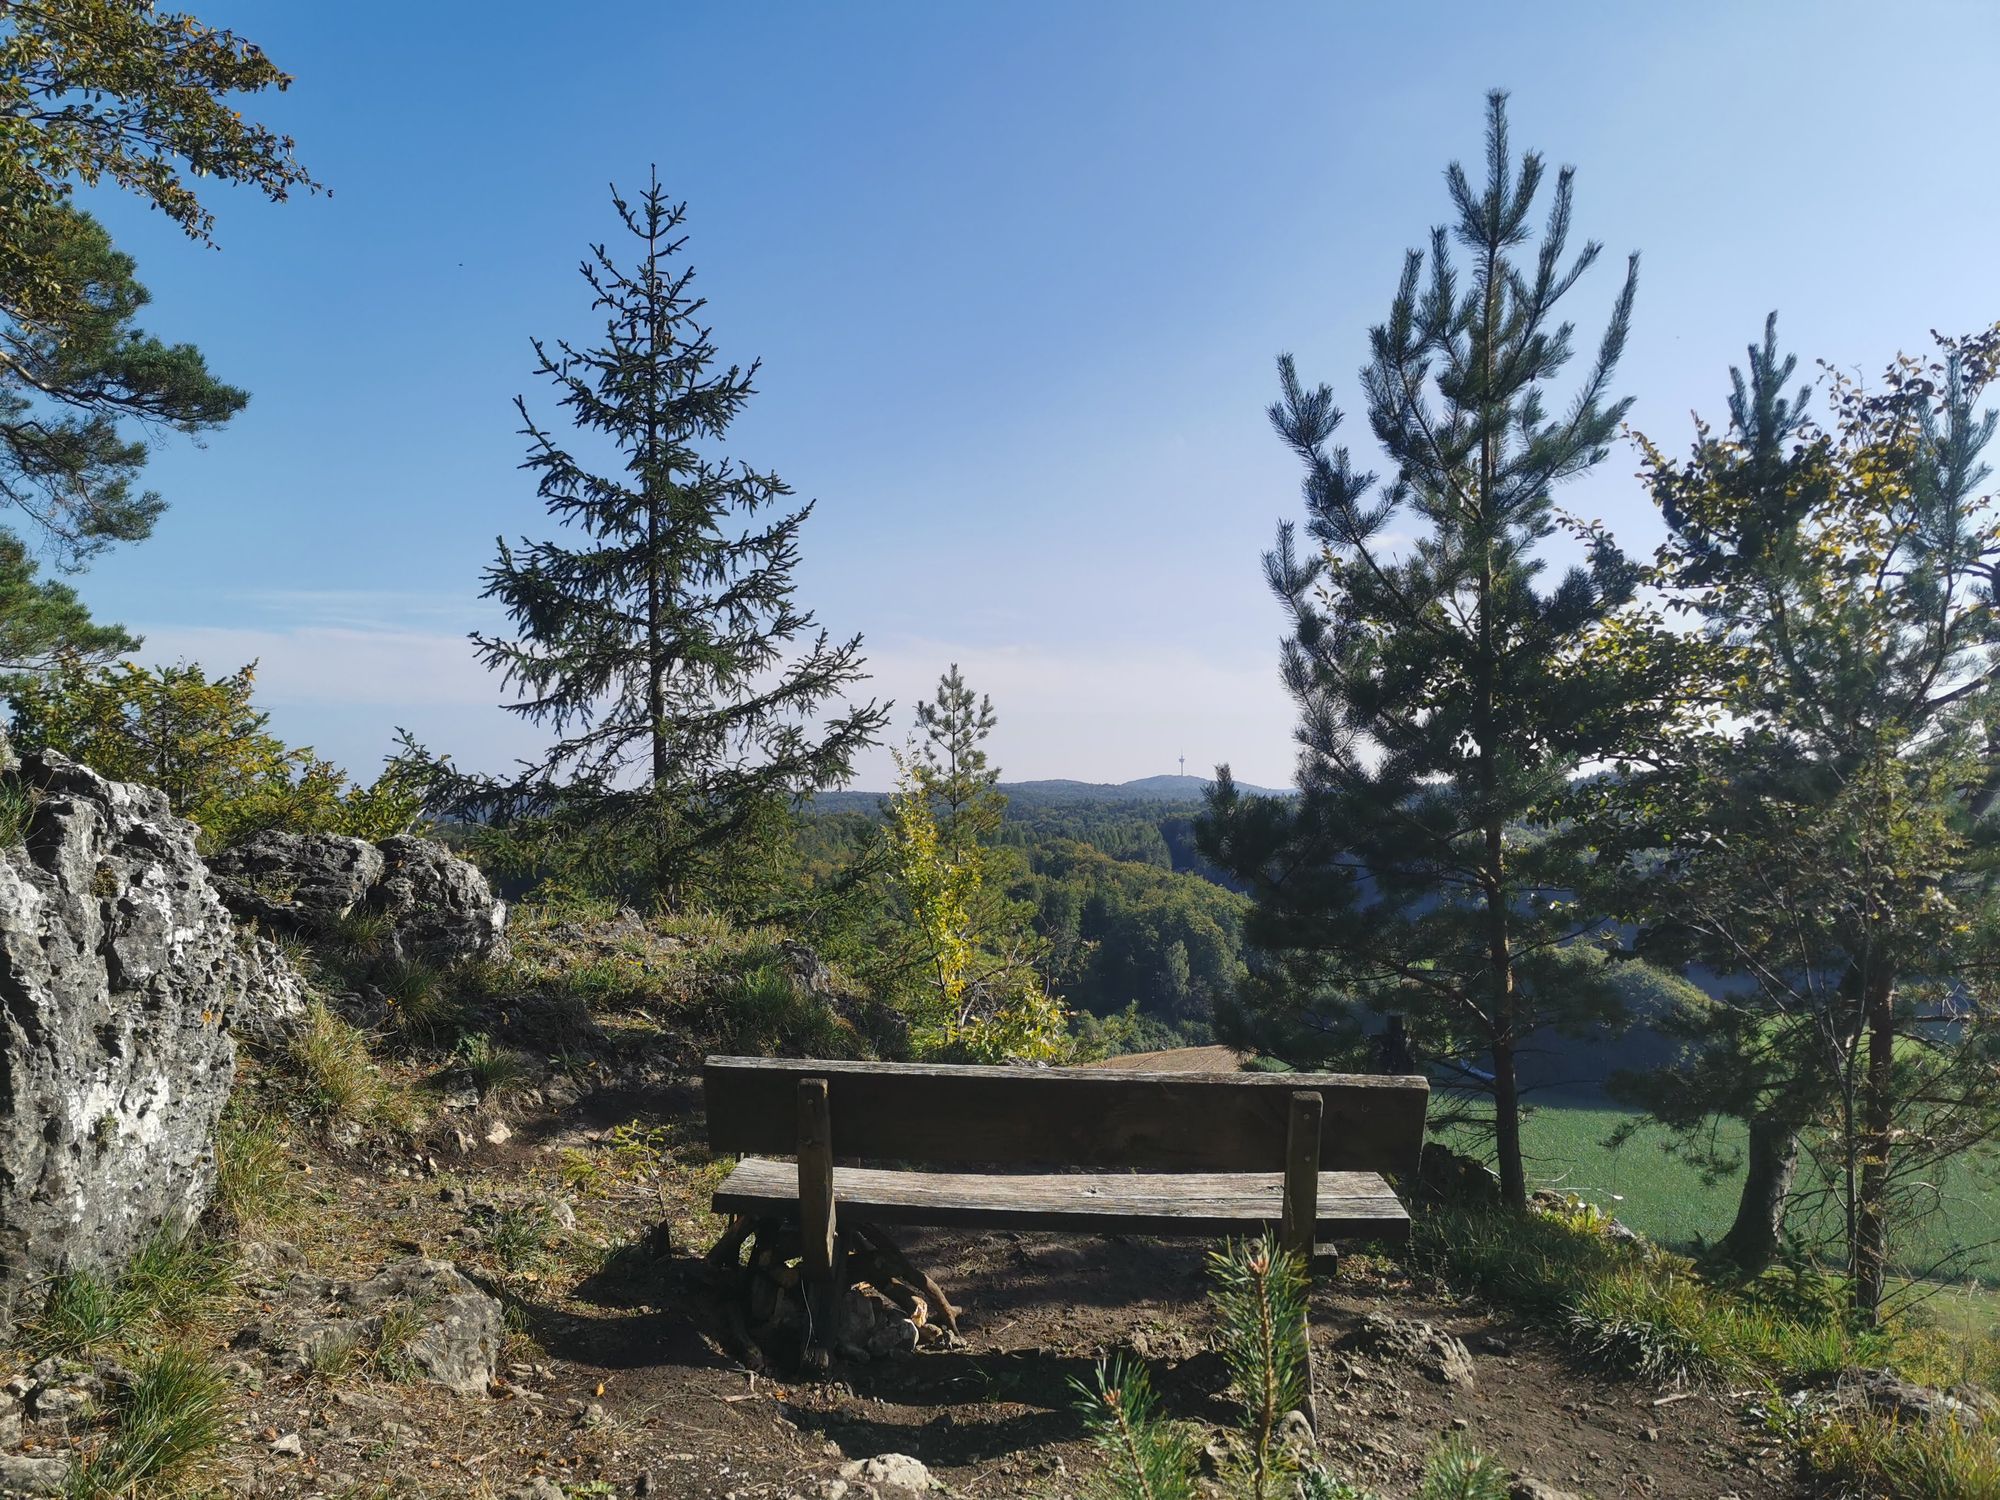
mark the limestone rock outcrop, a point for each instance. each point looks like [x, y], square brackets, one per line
[434, 906]
[415, 1319]
[122, 981]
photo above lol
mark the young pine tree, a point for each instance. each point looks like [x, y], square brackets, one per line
[1446, 696]
[1823, 834]
[957, 944]
[691, 698]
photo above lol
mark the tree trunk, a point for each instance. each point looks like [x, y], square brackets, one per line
[1878, 1122]
[1507, 1127]
[1752, 1241]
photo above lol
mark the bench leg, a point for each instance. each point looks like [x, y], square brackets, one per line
[1301, 1211]
[820, 1251]
[1296, 1237]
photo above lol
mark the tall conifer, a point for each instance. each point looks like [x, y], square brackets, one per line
[689, 694]
[1445, 696]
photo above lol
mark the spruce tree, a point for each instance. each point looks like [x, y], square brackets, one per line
[1446, 696]
[690, 696]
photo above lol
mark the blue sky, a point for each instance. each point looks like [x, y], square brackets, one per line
[1017, 273]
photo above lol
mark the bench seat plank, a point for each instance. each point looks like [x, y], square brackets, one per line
[1352, 1205]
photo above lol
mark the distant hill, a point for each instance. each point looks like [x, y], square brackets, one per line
[1027, 794]
[1145, 789]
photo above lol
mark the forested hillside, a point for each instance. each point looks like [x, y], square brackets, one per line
[1138, 929]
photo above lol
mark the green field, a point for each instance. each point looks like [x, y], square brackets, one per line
[1667, 1200]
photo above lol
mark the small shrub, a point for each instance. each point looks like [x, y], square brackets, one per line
[1146, 1457]
[492, 1070]
[422, 1007]
[83, 1312]
[1318, 1484]
[1260, 1306]
[169, 1419]
[1458, 1471]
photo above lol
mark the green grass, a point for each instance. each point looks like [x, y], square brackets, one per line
[336, 1071]
[1874, 1454]
[169, 1420]
[172, 1283]
[83, 1311]
[1630, 1306]
[1669, 1201]
[422, 1004]
[253, 1174]
[491, 1070]
[17, 810]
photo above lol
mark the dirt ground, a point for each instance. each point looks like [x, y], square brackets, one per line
[616, 1385]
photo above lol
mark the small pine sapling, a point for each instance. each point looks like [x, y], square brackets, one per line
[1260, 1304]
[1147, 1457]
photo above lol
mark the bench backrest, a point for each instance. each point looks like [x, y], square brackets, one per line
[939, 1115]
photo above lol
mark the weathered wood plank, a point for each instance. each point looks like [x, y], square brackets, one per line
[939, 1115]
[815, 1179]
[1350, 1205]
[819, 1254]
[1301, 1207]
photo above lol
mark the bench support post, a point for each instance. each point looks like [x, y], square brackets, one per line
[1302, 1174]
[820, 1257]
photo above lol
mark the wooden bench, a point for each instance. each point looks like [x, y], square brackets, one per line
[1197, 1154]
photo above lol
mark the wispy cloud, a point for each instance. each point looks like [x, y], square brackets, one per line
[341, 670]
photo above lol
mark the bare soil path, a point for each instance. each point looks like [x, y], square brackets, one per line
[616, 1384]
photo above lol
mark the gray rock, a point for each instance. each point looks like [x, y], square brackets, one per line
[31, 1474]
[1886, 1391]
[455, 1341]
[51, 1403]
[537, 1488]
[289, 1444]
[437, 907]
[441, 906]
[1415, 1345]
[122, 979]
[894, 1476]
[288, 879]
[1533, 1489]
[1296, 1436]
